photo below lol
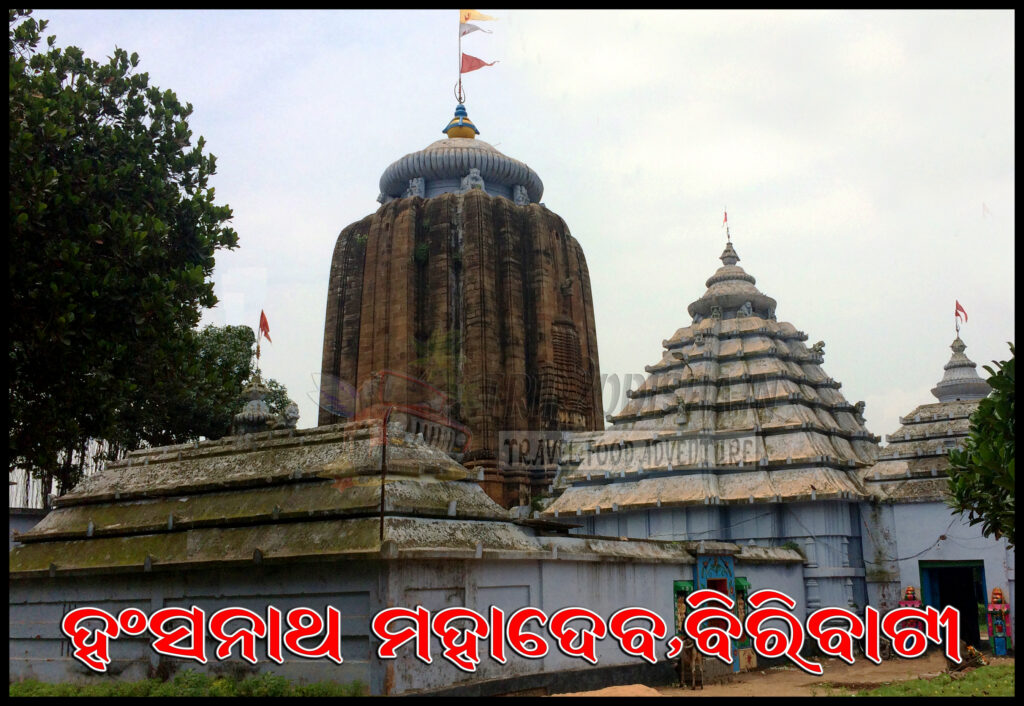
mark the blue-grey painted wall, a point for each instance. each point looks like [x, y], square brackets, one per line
[22, 519]
[38, 649]
[827, 531]
[356, 588]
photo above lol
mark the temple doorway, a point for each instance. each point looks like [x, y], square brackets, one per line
[960, 584]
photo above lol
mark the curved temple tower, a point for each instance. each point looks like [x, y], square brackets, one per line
[465, 304]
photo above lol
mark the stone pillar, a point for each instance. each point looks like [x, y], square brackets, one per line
[811, 583]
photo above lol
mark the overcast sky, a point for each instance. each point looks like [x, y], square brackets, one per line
[866, 159]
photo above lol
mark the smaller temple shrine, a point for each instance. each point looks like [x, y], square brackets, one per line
[737, 436]
[911, 537]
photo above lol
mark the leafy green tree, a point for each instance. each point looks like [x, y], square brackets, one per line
[113, 229]
[981, 475]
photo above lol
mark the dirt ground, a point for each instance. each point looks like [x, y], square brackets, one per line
[792, 681]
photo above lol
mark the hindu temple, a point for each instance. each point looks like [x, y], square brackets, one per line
[737, 435]
[465, 303]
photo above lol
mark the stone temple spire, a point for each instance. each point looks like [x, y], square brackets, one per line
[961, 380]
[459, 290]
[912, 467]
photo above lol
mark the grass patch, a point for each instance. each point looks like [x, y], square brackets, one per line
[993, 680]
[190, 683]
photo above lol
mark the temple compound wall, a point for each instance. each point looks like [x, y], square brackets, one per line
[911, 535]
[21, 519]
[827, 535]
[359, 589]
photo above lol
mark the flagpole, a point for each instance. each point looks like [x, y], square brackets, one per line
[459, 95]
[258, 330]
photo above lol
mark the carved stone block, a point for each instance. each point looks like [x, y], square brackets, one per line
[473, 180]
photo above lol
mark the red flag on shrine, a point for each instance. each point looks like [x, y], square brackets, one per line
[960, 311]
[471, 63]
[264, 326]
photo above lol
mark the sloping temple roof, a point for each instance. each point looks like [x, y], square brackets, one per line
[912, 467]
[289, 495]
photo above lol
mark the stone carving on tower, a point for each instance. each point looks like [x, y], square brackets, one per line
[473, 180]
[416, 187]
[256, 415]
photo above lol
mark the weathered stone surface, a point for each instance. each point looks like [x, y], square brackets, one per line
[485, 300]
[264, 459]
[737, 411]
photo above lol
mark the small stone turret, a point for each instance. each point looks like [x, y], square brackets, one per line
[256, 415]
[961, 380]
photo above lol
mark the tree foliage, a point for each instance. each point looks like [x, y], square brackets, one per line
[221, 362]
[225, 364]
[982, 473]
[113, 229]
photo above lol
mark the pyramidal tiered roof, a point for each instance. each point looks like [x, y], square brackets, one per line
[738, 410]
[912, 468]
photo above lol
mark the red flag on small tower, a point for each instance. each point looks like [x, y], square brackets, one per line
[725, 217]
[960, 311]
[264, 326]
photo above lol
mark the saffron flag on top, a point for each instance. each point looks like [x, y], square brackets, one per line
[960, 311]
[264, 327]
[465, 28]
[467, 15]
[471, 63]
